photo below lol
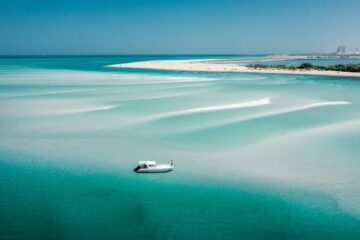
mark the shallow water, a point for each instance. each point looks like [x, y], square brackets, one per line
[258, 156]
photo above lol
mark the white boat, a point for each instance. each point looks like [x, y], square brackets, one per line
[153, 167]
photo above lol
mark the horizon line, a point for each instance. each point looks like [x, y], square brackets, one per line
[154, 54]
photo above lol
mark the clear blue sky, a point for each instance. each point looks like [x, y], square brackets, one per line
[177, 26]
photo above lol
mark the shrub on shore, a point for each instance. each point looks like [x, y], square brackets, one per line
[350, 67]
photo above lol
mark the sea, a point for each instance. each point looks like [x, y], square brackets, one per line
[257, 156]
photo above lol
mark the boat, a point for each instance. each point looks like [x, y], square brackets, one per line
[153, 167]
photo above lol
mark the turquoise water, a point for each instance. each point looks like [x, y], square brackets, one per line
[283, 164]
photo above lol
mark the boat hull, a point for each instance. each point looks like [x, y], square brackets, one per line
[160, 169]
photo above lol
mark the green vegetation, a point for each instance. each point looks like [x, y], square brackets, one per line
[350, 67]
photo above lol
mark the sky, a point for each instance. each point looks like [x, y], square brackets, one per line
[38, 27]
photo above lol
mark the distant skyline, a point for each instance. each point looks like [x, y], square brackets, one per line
[43, 27]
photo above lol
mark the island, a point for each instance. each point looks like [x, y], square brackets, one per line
[349, 67]
[249, 65]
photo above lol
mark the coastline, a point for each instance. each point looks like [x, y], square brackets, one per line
[225, 65]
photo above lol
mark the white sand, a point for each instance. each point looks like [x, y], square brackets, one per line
[89, 109]
[222, 65]
[227, 107]
[255, 103]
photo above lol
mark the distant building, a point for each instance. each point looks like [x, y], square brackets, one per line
[338, 50]
[356, 51]
[341, 50]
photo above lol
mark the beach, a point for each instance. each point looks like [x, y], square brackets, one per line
[228, 65]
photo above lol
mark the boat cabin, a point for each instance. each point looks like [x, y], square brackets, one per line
[146, 164]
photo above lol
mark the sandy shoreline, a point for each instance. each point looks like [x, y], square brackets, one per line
[223, 65]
